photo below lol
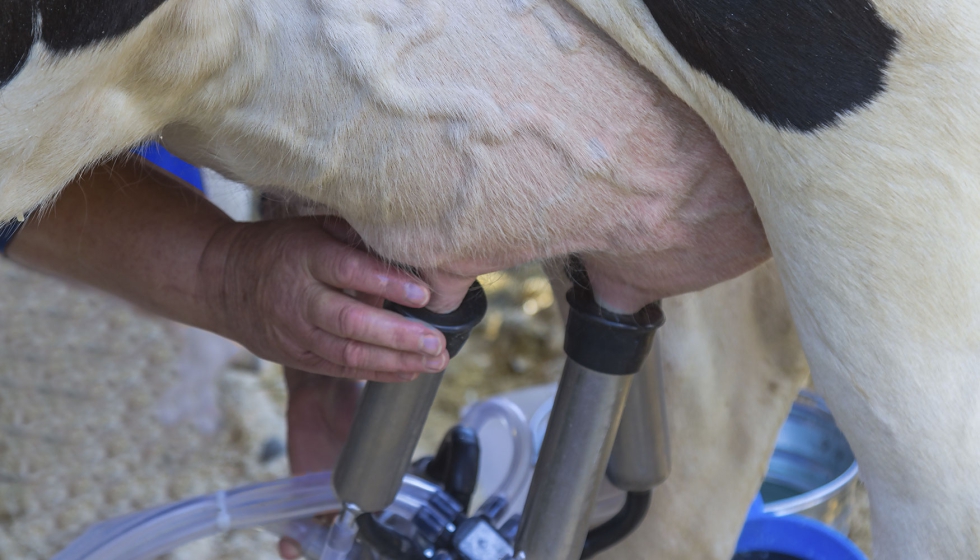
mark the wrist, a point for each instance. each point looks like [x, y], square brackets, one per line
[213, 283]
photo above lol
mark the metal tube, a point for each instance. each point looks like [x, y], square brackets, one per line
[640, 457]
[390, 416]
[573, 457]
[382, 439]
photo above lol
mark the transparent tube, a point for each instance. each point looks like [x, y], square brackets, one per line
[282, 506]
[340, 537]
[523, 443]
[148, 534]
[312, 536]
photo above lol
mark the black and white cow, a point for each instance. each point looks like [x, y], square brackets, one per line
[468, 135]
[855, 125]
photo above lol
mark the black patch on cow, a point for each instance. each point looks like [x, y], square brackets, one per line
[66, 25]
[798, 64]
[16, 36]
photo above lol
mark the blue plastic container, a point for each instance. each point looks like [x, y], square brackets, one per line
[792, 537]
[157, 155]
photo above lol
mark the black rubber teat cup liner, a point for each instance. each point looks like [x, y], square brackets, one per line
[455, 325]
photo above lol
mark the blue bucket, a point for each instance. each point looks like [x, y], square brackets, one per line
[805, 499]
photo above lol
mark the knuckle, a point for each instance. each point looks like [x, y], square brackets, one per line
[410, 362]
[347, 270]
[308, 361]
[349, 319]
[353, 354]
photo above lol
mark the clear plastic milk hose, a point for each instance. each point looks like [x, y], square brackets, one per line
[150, 533]
[283, 506]
[521, 463]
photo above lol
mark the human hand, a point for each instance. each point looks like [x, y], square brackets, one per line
[277, 287]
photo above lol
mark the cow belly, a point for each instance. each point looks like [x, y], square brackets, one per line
[499, 154]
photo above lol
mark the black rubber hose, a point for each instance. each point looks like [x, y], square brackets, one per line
[456, 465]
[385, 541]
[620, 526]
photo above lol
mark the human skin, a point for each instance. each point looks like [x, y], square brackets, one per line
[276, 287]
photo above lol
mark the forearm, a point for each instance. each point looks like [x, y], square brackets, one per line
[131, 230]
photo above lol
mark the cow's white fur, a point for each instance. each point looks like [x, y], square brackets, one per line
[872, 222]
[62, 113]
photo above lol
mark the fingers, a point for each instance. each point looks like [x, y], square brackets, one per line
[347, 268]
[320, 366]
[345, 352]
[297, 356]
[348, 318]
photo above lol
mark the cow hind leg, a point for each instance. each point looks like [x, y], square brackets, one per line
[915, 438]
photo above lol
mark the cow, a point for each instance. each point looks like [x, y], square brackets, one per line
[462, 137]
[858, 152]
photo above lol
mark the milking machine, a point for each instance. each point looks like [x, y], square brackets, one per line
[605, 350]
[388, 508]
[383, 437]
